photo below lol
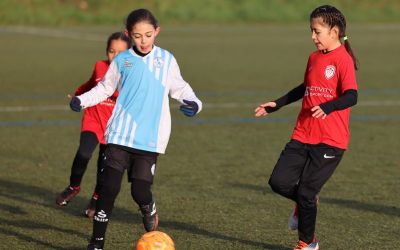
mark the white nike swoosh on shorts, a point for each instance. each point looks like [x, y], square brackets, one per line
[328, 156]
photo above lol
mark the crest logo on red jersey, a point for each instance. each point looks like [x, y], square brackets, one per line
[329, 71]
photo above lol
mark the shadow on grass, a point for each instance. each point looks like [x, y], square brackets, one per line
[12, 209]
[264, 189]
[32, 241]
[30, 225]
[195, 230]
[352, 204]
[357, 205]
[40, 196]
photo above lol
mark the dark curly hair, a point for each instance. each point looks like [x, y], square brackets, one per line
[333, 17]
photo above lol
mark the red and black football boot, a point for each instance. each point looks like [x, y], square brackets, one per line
[67, 195]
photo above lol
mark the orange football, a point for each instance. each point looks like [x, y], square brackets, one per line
[155, 240]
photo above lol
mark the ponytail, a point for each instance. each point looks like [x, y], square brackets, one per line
[350, 51]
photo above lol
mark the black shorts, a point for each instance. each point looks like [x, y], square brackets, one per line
[305, 165]
[140, 164]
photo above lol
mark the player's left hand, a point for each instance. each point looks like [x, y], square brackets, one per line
[264, 109]
[317, 112]
[190, 108]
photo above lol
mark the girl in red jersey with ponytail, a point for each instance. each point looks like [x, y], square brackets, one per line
[322, 133]
[94, 123]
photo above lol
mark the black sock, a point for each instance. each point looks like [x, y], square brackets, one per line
[87, 144]
[100, 168]
[105, 203]
[78, 169]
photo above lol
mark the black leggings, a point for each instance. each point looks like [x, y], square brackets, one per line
[300, 173]
[87, 145]
[140, 191]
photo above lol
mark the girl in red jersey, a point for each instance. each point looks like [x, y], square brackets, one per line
[321, 134]
[94, 124]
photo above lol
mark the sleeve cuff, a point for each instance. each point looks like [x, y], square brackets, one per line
[327, 108]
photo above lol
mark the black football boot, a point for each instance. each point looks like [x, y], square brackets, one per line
[150, 216]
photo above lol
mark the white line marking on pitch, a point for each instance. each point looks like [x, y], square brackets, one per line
[223, 105]
[54, 33]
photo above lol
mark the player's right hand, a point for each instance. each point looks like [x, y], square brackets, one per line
[75, 104]
[262, 109]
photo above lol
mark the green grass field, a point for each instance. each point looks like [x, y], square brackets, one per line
[106, 12]
[211, 186]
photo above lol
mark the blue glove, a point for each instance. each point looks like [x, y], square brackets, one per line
[190, 109]
[75, 104]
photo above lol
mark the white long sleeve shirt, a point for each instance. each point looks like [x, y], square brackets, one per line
[141, 118]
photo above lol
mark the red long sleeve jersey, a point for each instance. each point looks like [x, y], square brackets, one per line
[327, 77]
[95, 118]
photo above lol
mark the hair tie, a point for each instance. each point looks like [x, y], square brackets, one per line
[345, 38]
